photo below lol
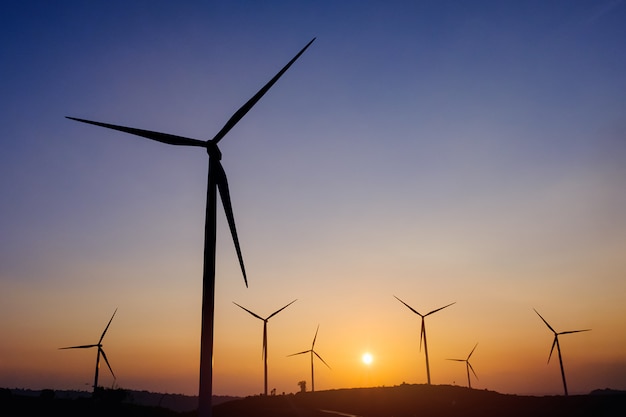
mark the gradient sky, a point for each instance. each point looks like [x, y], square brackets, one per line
[439, 151]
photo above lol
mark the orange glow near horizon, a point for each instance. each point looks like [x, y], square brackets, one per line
[511, 358]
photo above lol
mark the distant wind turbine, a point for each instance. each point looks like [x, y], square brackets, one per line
[216, 180]
[100, 352]
[313, 352]
[468, 366]
[264, 354]
[558, 347]
[423, 331]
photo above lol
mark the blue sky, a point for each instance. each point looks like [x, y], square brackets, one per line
[436, 150]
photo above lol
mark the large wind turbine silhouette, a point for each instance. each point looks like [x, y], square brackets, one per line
[468, 366]
[313, 352]
[558, 347]
[100, 352]
[216, 180]
[265, 334]
[423, 331]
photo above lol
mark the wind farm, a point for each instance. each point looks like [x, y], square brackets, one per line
[264, 352]
[100, 352]
[428, 150]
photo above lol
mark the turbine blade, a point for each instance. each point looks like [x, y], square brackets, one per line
[422, 333]
[250, 103]
[440, 308]
[315, 337]
[107, 362]
[300, 353]
[552, 348]
[254, 314]
[278, 311]
[222, 185]
[107, 328]
[410, 308]
[157, 136]
[457, 360]
[79, 347]
[320, 358]
[575, 331]
[468, 356]
[544, 320]
[472, 369]
[264, 340]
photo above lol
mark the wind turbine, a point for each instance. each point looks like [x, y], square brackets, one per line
[100, 352]
[423, 331]
[265, 333]
[216, 180]
[313, 352]
[468, 365]
[558, 347]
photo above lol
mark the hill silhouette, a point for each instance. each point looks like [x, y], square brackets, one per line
[423, 400]
[27, 402]
[399, 401]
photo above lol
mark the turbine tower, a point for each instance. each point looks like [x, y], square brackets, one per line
[558, 347]
[216, 180]
[265, 320]
[468, 366]
[313, 352]
[423, 331]
[100, 352]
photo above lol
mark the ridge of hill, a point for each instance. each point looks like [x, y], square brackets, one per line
[425, 400]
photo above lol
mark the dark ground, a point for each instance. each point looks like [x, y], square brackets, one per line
[399, 401]
[424, 400]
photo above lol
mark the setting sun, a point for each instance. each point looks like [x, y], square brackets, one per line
[367, 358]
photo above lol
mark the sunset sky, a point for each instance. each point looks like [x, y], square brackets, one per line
[438, 151]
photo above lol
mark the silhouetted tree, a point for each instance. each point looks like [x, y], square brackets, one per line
[302, 385]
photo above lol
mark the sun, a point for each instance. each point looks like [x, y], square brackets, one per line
[367, 358]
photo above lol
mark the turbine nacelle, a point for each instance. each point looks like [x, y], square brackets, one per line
[213, 150]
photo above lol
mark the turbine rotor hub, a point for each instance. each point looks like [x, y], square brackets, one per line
[213, 150]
